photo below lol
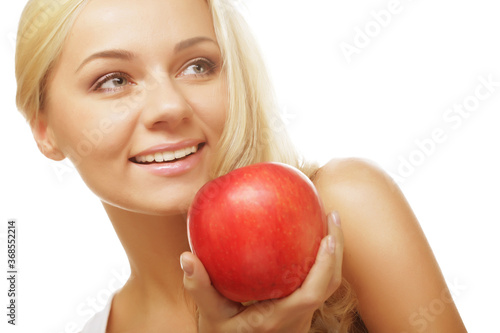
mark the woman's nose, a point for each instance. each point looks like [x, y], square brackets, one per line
[166, 106]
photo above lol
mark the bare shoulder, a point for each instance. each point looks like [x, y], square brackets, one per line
[354, 181]
[387, 258]
[354, 172]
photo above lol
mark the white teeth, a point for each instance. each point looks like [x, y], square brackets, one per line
[166, 155]
[179, 153]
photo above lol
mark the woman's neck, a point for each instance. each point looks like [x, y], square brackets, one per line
[153, 245]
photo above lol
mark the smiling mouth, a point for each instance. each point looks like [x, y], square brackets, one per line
[167, 156]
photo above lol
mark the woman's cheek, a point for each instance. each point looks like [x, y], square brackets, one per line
[213, 114]
[98, 133]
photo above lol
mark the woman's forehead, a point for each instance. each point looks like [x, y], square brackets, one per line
[118, 24]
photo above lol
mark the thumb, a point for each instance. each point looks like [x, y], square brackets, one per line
[211, 304]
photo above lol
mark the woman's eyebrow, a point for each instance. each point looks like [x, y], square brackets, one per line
[192, 41]
[127, 55]
[118, 54]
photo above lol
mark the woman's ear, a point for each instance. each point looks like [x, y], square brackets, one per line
[44, 138]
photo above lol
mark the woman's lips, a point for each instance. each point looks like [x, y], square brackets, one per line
[166, 156]
[186, 160]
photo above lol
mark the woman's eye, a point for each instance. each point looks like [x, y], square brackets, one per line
[112, 82]
[115, 83]
[198, 67]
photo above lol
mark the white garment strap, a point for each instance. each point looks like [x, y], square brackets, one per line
[98, 322]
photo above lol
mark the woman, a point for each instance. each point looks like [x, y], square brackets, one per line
[151, 99]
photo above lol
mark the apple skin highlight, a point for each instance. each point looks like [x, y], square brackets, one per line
[257, 230]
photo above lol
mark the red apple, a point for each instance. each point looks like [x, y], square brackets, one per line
[257, 230]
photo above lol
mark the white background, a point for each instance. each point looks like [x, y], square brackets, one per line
[393, 92]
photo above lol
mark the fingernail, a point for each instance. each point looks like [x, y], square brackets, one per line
[187, 266]
[335, 218]
[330, 244]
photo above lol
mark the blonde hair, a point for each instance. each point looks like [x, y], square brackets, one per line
[254, 131]
[43, 28]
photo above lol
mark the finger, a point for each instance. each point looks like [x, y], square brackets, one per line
[211, 304]
[325, 275]
[322, 280]
[337, 233]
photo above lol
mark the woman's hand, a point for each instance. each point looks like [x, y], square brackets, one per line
[289, 314]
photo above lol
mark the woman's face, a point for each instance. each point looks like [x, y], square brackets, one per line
[137, 88]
